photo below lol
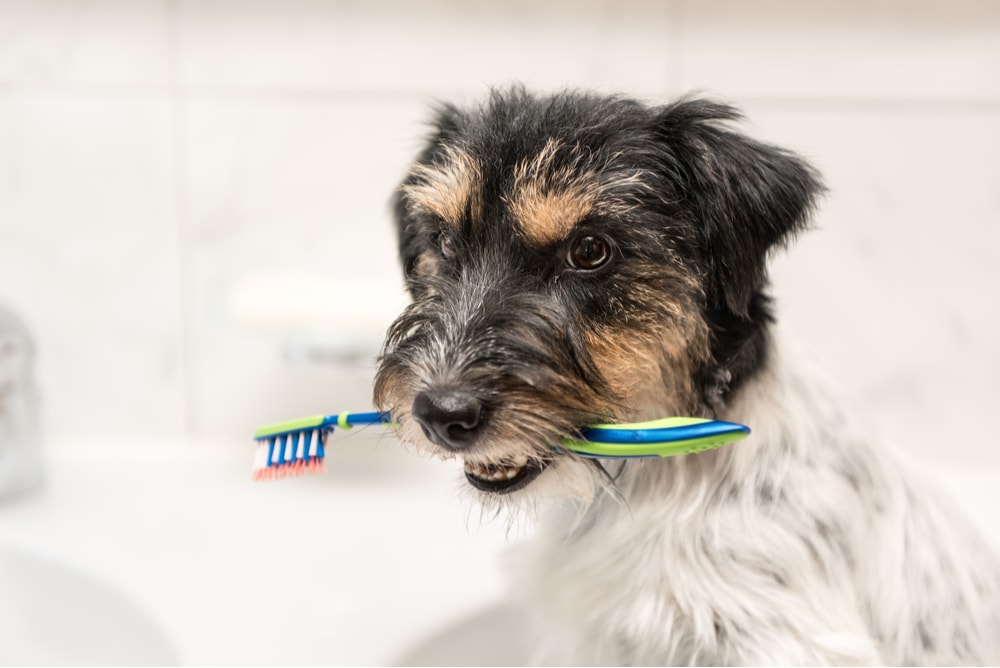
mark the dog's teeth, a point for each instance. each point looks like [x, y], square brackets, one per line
[499, 472]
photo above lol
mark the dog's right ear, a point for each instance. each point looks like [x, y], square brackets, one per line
[744, 196]
[446, 126]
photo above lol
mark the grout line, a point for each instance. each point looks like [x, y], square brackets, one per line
[281, 94]
[177, 134]
[860, 103]
[239, 92]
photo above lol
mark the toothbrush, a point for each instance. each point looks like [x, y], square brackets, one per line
[297, 447]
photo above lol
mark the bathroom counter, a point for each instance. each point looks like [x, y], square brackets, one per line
[379, 561]
[352, 567]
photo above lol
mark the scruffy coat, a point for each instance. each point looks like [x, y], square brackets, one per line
[577, 259]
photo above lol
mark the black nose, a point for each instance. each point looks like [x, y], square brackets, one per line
[449, 418]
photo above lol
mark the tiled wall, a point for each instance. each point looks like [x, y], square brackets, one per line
[193, 192]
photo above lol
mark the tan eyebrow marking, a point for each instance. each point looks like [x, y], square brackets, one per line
[450, 188]
[546, 200]
[549, 199]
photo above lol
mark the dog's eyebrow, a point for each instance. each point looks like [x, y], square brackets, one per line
[549, 198]
[449, 188]
[546, 217]
[561, 186]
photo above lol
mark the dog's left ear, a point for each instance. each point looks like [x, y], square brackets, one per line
[745, 196]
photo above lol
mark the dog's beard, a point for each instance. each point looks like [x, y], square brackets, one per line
[541, 376]
[522, 444]
[522, 460]
[515, 354]
[568, 482]
[564, 479]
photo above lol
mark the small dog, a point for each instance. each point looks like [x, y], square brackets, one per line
[577, 259]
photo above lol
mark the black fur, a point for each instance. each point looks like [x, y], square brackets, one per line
[711, 205]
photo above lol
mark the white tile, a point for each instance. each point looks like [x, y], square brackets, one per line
[89, 257]
[917, 49]
[896, 289]
[287, 203]
[288, 222]
[92, 42]
[444, 45]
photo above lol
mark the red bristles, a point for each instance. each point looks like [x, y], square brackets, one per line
[279, 458]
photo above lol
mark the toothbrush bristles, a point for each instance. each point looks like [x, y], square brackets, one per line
[290, 455]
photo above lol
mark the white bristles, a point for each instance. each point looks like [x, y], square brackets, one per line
[300, 450]
[292, 454]
[260, 461]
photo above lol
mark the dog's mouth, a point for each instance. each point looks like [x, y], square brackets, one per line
[505, 476]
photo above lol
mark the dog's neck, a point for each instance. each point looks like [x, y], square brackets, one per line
[740, 346]
[785, 405]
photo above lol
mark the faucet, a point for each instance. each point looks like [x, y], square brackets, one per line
[20, 440]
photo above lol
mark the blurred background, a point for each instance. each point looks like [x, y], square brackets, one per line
[194, 230]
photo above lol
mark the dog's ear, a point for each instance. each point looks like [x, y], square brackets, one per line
[446, 126]
[745, 196]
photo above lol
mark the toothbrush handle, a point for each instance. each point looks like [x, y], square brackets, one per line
[347, 420]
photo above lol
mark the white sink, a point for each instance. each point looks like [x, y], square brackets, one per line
[493, 636]
[53, 614]
[165, 553]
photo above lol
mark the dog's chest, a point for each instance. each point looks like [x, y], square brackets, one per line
[628, 589]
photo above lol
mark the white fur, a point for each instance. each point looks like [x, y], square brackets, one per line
[805, 544]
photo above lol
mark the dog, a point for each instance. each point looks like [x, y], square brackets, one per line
[576, 258]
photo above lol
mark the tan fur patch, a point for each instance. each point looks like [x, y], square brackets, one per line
[549, 199]
[449, 189]
[649, 380]
[546, 217]
[650, 366]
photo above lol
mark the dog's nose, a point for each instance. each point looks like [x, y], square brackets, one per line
[449, 418]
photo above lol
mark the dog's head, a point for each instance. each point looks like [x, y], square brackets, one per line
[576, 259]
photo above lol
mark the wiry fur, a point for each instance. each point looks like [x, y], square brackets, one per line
[805, 544]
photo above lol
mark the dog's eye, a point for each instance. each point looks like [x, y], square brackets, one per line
[589, 252]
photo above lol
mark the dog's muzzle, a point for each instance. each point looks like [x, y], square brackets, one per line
[454, 419]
